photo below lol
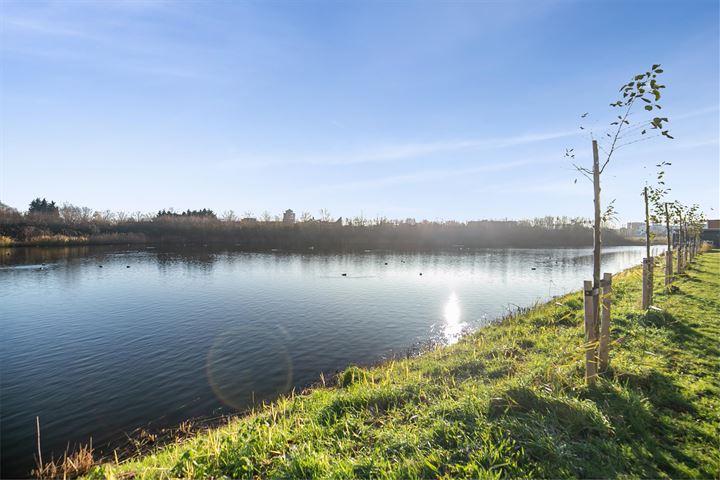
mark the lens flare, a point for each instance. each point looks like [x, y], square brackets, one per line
[246, 366]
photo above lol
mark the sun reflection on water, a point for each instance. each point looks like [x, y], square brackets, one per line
[453, 326]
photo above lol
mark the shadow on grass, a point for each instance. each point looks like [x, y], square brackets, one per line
[696, 268]
[560, 437]
[630, 420]
[597, 435]
[682, 333]
[702, 302]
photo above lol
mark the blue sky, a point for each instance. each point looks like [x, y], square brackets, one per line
[437, 110]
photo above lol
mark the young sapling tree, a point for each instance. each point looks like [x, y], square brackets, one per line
[645, 91]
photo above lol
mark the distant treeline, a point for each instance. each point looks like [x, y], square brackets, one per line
[46, 223]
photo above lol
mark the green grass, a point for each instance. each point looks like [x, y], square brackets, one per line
[507, 401]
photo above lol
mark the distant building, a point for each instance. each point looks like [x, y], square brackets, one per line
[288, 216]
[6, 208]
[637, 229]
[712, 232]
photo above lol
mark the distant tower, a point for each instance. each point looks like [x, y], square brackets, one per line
[289, 216]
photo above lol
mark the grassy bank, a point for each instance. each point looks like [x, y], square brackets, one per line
[508, 400]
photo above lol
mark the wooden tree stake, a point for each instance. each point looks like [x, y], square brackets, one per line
[647, 286]
[590, 300]
[680, 268]
[605, 321]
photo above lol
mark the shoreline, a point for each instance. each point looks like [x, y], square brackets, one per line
[247, 248]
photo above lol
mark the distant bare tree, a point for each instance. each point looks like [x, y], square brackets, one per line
[70, 213]
[266, 217]
[107, 216]
[86, 214]
[325, 215]
[306, 217]
[229, 216]
[360, 221]
[248, 214]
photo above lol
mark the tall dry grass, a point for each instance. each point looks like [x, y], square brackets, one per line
[72, 465]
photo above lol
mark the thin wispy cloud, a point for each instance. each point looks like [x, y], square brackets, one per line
[105, 44]
[35, 26]
[412, 150]
[402, 151]
[434, 175]
[392, 152]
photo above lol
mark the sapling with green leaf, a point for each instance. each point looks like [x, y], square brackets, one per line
[652, 195]
[696, 224]
[630, 127]
[682, 212]
[664, 212]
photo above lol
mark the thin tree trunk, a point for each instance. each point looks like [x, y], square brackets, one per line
[647, 225]
[597, 226]
[648, 263]
[680, 249]
[592, 314]
[668, 254]
[667, 228]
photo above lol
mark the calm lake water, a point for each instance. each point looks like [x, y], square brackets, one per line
[97, 352]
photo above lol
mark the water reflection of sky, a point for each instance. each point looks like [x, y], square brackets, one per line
[98, 351]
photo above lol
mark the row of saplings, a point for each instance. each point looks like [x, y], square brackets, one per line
[638, 101]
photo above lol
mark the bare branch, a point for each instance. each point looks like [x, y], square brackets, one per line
[636, 141]
[583, 171]
[617, 133]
